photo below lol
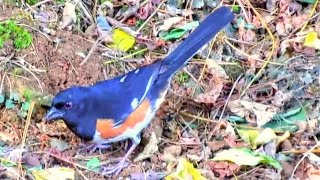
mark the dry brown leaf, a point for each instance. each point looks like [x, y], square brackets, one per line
[170, 153]
[216, 84]
[168, 23]
[4, 136]
[223, 168]
[280, 98]
[69, 14]
[263, 113]
[313, 173]
[149, 149]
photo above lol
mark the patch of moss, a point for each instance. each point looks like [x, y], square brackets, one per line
[20, 36]
[233, 71]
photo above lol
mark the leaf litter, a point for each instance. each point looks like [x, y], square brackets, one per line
[243, 107]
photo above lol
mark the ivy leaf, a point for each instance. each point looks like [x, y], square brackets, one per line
[2, 98]
[25, 106]
[9, 104]
[93, 164]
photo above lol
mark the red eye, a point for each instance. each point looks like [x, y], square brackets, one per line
[68, 105]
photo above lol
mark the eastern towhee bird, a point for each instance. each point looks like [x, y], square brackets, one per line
[120, 108]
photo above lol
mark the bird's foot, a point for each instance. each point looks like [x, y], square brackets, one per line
[115, 169]
[93, 147]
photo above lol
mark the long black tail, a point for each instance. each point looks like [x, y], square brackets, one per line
[207, 29]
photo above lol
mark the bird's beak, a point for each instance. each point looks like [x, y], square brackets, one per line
[53, 114]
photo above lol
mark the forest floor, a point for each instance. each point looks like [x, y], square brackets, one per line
[245, 107]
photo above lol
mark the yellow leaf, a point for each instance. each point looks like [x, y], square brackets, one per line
[266, 136]
[249, 136]
[56, 173]
[185, 170]
[122, 40]
[312, 40]
[256, 138]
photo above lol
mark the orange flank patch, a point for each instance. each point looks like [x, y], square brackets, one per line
[106, 126]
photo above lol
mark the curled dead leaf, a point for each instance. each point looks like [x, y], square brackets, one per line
[263, 113]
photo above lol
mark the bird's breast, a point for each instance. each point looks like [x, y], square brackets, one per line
[131, 126]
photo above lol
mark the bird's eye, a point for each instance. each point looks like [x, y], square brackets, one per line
[68, 105]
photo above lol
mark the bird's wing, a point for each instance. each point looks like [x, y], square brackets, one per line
[120, 96]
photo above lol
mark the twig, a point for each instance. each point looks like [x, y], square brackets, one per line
[228, 99]
[248, 55]
[92, 49]
[310, 15]
[304, 156]
[25, 132]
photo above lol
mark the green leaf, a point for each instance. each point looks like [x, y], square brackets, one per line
[235, 8]
[2, 98]
[287, 121]
[93, 164]
[25, 106]
[245, 157]
[249, 136]
[236, 119]
[308, 1]
[7, 163]
[9, 104]
[177, 33]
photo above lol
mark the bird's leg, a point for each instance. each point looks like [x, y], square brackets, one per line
[122, 164]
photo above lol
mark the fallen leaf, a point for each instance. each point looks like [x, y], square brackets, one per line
[224, 169]
[185, 170]
[171, 153]
[149, 149]
[314, 159]
[4, 136]
[148, 175]
[56, 173]
[312, 40]
[93, 164]
[59, 144]
[216, 145]
[122, 40]
[179, 32]
[256, 138]
[197, 4]
[69, 14]
[32, 160]
[263, 113]
[313, 173]
[168, 23]
[2, 98]
[245, 157]
[288, 121]
[280, 98]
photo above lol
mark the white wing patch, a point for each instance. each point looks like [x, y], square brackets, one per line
[134, 103]
[147, 88]
[123, 78]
